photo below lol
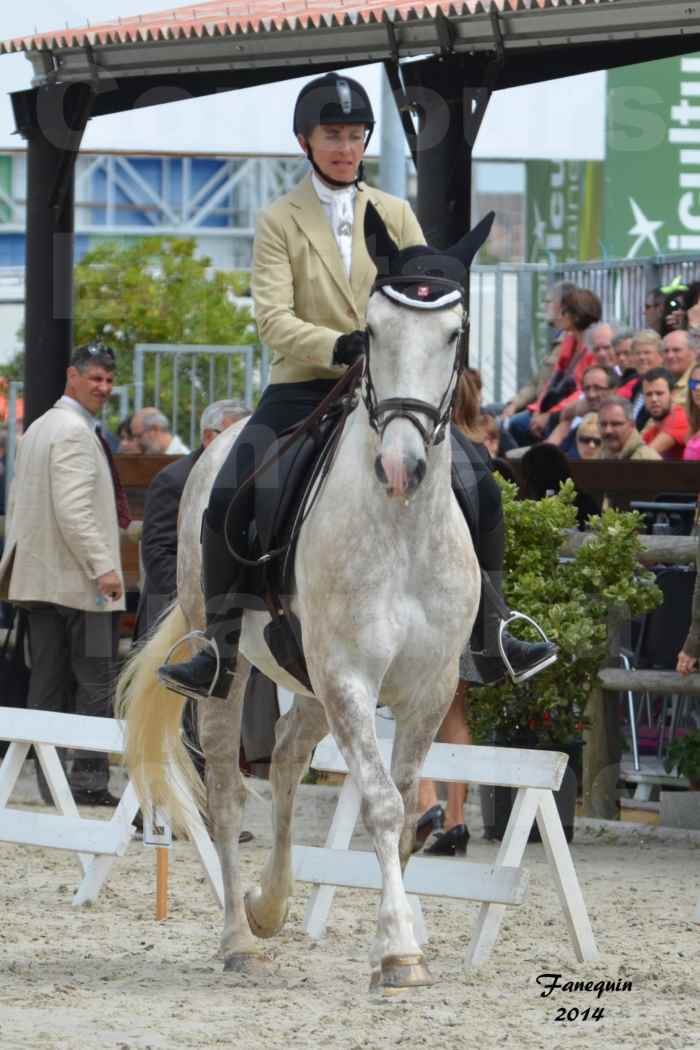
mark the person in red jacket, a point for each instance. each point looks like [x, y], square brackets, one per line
[580, 308]
[667, 428]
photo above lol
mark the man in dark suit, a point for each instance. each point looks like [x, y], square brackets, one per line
[159, 536]
[159, 542]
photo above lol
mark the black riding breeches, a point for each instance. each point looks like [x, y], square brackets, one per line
[283, 405]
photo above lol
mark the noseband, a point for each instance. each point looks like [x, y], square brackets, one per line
[382, 413]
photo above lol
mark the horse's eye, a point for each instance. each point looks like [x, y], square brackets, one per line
[454, 336]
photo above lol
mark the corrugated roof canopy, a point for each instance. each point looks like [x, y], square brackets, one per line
[291, 36]
[214, 18]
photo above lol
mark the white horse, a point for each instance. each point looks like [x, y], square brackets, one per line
[387, 590]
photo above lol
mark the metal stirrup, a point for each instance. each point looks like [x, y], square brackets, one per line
[211, 642]
[503, 626]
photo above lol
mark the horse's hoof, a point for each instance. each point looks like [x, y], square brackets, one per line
[401, 971]
[248, 965]
[255, 926]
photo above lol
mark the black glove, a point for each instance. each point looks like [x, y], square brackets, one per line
[349, 347]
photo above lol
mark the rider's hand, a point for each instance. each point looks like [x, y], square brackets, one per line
[349, 347]
[110, 585]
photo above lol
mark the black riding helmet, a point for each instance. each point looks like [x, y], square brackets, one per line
[332, 99]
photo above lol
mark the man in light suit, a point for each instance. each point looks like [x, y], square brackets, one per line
[62, 559]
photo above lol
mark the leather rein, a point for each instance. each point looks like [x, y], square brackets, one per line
[342, 398]
[382, 413]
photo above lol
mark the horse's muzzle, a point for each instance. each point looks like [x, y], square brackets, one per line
[400, 474]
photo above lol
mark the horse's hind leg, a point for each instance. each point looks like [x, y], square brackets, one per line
[220, 734]
[296, 735]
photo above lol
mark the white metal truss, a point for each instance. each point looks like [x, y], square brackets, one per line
[115, 199]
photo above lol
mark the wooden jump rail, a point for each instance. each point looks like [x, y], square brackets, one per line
[616, 680]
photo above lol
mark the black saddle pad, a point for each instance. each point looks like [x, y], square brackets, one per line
[277, 505]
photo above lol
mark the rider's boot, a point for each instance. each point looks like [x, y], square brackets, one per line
[209, 672]
[493, 661]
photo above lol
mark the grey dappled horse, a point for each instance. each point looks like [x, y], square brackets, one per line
[387, 590]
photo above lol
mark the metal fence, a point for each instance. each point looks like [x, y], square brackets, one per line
[183, 380]
[507, 340]
[509, 334]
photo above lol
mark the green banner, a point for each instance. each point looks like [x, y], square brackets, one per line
[564, 210]
[564, 215]
[652, 171]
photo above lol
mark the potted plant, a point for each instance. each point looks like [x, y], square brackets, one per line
[683, 755]
[681, 809]
[572, 600]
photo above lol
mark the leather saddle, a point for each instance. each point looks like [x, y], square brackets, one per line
[280, 509]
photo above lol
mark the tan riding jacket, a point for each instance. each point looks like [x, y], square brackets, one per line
[303, 298]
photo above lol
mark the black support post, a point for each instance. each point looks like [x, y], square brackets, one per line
[49, 283]
[443, 154]
[52, 119]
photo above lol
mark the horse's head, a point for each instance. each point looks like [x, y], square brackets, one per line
[415, 320]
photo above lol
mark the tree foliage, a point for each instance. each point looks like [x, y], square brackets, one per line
[156, 290]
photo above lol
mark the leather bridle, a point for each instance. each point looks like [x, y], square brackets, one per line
[382, 413]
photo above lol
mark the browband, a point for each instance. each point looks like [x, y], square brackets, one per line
[423, 283]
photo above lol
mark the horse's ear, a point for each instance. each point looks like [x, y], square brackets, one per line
[466, 248]
[380, 246]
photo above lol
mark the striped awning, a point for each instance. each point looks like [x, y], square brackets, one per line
[218, 18]
[240, 35]
[227, 44]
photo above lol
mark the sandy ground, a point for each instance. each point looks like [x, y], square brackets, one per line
[109, 976]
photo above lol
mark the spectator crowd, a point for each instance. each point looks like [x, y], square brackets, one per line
[607, 391]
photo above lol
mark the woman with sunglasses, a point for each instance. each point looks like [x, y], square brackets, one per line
[692, 410]
[588, 439]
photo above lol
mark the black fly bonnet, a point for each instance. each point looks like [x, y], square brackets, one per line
[420, 278]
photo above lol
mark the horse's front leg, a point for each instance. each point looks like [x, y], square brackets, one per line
[417, 723]
[296, 735]
[395, 958]
[220, 735]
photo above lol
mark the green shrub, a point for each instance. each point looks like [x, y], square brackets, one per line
[684, 754]
[572, 600]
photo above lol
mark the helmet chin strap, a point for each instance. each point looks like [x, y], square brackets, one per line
[327, 178]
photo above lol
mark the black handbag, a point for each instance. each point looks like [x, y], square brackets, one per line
[14, 673]
[560, 387]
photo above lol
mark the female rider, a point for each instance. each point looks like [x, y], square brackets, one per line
[312, 277]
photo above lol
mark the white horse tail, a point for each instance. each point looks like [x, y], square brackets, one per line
[161, 769]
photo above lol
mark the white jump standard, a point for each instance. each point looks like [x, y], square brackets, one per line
[535, 774]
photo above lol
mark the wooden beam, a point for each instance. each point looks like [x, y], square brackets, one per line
[617, 680]
[624, 482]
[656, 550]
[137, 470]
[603, 743]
